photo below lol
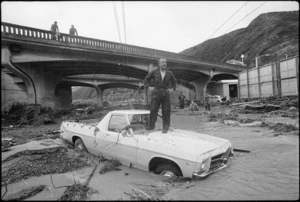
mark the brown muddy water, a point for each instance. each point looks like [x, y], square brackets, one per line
[269, 172]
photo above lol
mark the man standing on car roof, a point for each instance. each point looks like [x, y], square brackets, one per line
[161, 82]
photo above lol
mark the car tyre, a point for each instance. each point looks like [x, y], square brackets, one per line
[168, 169]
[79, 145]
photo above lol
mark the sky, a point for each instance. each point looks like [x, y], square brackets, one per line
[164, 25]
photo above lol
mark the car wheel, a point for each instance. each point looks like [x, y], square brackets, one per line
[168, 169]
[79, 145]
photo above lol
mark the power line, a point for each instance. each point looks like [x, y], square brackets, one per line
[246, 16]
[227, 20]
[117, 21]
[124, 26]
[123, 11]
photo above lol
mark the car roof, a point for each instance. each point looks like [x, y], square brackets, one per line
[131, 111]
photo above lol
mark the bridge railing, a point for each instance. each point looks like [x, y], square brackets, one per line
[12, 30]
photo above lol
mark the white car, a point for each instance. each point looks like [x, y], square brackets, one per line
[215, 98]
[121, 135]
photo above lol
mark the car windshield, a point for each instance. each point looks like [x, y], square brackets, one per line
[117, 123]
[139, 119]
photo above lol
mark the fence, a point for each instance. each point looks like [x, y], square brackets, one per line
[280, 78]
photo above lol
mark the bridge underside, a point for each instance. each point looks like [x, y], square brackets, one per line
[53, 91]
[64, 89]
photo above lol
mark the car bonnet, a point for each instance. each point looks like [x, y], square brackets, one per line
[184, 144]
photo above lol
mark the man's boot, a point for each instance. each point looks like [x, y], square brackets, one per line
[150, 128]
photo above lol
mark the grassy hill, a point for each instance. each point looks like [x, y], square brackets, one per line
[274, 33]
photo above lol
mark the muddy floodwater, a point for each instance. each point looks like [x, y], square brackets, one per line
[269, 172]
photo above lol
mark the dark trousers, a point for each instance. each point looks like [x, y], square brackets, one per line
[181, 106]
[160, 97]
[56, 36]
[207, 107]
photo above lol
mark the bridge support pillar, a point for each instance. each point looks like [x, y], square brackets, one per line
[45, 87]
[29, 84]
[99, 96]
[48, 91]
[200, 86]
[62, 98]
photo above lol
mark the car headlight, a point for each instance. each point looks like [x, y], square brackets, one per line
[203, 166]
[206, 164]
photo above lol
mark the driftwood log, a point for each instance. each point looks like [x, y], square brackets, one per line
[265, 108]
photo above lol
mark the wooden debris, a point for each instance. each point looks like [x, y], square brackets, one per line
[26, 193]
[110, 165]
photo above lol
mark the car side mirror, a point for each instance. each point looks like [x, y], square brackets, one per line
[96, 130]
[127, 131]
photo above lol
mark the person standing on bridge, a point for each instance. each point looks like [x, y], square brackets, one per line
[161, 82]
[54, 29]
[73, 31]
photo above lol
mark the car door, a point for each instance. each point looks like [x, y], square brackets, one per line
[127, 148]
[118, 146]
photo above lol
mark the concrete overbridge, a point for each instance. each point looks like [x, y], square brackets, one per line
[103, 82]
[44, 63]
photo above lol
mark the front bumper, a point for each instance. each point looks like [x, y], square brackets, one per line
[204, 174]
[216, 163]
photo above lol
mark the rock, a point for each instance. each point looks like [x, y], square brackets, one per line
[106, 104]
[293, 109]
[289, 103]
[253, 124]
[47, 120]
[284, 103]
[231, 122]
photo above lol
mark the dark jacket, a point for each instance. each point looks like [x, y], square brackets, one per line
[154, 79]
[73, 31]
[54, 28]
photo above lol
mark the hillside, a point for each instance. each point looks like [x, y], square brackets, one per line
[274, 33]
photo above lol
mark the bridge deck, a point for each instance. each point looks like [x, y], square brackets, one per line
[17, 32]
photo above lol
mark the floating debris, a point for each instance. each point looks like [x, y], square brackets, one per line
[39, 162]
[282, 127]
[246, 120]
[110, 165]
[26, 193]
[222, 116]
[76, 192]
